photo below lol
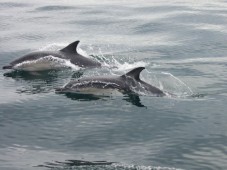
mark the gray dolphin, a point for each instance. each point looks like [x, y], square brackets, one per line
[127, 83]
[68, 53]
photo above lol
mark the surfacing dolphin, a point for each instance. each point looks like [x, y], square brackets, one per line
[38, 61]
[127, 83]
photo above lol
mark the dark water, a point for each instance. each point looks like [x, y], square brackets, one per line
[183, 46]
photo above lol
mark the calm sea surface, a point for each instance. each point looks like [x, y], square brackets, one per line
[182, 44]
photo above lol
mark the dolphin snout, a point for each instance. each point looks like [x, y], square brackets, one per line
[7, 67]
[61, 90]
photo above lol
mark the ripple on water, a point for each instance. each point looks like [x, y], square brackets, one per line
[4, 5]
[29, 36]
[54, 8]
[209, 157]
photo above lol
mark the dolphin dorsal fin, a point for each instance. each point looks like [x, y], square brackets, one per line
[135, 73]
[71, 48]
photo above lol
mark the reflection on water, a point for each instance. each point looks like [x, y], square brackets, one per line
[42, 81]
[83, 97]
[73, 164]
[134, 99]
[29, 76]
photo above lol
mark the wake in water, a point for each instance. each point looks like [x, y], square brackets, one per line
[98, 165]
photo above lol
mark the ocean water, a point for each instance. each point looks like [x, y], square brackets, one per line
[182, 44]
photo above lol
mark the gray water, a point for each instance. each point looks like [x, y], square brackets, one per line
[183, 46]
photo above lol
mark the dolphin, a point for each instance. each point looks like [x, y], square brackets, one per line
[127, 83]
[38, 61]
